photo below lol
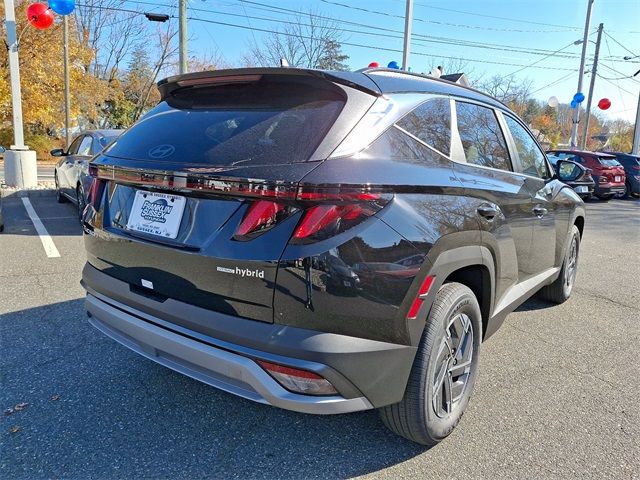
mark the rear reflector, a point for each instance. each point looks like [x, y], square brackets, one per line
[417, 302]
[298, 381]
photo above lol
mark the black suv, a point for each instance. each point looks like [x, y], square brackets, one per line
[325, 242]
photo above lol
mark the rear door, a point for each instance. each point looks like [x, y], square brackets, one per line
[197, 201]
[503, 199]
[530, 161]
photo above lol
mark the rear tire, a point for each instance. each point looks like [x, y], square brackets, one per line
[443, 372]
[560, 290]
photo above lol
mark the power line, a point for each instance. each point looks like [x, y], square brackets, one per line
[556, 82]
[424, 38]
[369, 47]
[541, 60]
[436, 22]
[632, 53]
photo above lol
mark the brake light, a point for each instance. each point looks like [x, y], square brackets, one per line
[261, 216]
[95, 192]
[422, 292]
[298, 381]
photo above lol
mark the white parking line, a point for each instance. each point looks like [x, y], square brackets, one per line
[49, 247]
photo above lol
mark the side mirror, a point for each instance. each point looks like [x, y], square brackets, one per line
[568, 171]
[57, 152]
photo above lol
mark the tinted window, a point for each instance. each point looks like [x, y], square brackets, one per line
[396, 145]
[73, 148]
[531, 157]
[256, 123]
[103, 142]
[482, 139]
[431, 123]
[85, 146]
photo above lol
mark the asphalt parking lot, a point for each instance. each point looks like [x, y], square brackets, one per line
[557, 396]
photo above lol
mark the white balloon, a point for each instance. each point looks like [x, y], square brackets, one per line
[553, 102]
[436, 73]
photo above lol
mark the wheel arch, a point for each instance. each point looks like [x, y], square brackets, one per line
[471, 266]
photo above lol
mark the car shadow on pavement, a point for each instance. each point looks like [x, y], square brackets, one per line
[98, 410]
[534, 303]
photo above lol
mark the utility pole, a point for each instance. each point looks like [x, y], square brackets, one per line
[408, 21]
[636, 132]
[19, 162]
[67, 98]
[585, 39]
[594, 70]
[183, 36]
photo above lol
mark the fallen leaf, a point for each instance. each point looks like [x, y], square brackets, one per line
[55, 397]
[21, 406]
[15, 429]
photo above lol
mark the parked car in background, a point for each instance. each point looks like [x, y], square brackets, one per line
[607, 173]
[207, 218]
[575, 175]
[631, 165]
[71, 172]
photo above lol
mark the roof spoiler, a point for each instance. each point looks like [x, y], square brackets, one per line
[351, 79]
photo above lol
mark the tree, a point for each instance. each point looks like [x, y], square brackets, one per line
[509, 89]
[309, 41]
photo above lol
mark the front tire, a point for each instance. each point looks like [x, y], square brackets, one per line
[560, 290]
[443, 372]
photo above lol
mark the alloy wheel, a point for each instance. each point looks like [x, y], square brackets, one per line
[453, 365]
[572, 266]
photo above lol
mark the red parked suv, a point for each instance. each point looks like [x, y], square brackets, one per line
[605, 170]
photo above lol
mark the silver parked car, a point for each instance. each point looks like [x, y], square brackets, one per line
[71, 172]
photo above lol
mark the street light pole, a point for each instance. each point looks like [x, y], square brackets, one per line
[408, 21]
[576, 114]
[636, 132]
[182, 14]
[67, 98]
[19, 161]
[594, 70]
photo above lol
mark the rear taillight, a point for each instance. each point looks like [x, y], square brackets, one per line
[299, 381]
[324, 214]
[95, 192]
[260, 217]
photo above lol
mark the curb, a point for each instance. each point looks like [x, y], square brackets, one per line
[41, 192]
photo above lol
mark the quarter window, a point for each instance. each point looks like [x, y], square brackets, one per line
[482, 139]
[431, 123]
[531, 158]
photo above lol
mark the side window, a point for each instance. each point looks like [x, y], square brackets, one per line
[73, 148]
[85, 146]
[531, 157]
[482, 139]
[431, 123]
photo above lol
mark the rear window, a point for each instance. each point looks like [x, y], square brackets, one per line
[258, 123]
[609, 162]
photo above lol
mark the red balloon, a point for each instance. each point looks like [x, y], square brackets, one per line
[374, 65]
[604, 103]
[40, 16]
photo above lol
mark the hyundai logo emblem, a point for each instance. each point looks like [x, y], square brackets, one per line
[162, 151]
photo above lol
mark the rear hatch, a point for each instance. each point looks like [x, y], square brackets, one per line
[611, 168]
[197, 201]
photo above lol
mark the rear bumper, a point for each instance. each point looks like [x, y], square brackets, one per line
[366, 373]
[609, 189]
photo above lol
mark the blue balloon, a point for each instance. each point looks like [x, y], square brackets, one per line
[574, 104]
[393, 64]
[578, 97]
[62, 7]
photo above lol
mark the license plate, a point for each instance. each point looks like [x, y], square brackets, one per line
[582, 189]
[346, 283]
[156, 214]
[618, 178]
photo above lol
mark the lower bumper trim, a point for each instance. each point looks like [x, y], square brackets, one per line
[219, 368]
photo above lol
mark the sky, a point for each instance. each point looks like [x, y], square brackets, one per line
[534, 29]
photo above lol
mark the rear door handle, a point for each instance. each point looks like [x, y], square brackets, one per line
[487, 211]
[540, 211]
